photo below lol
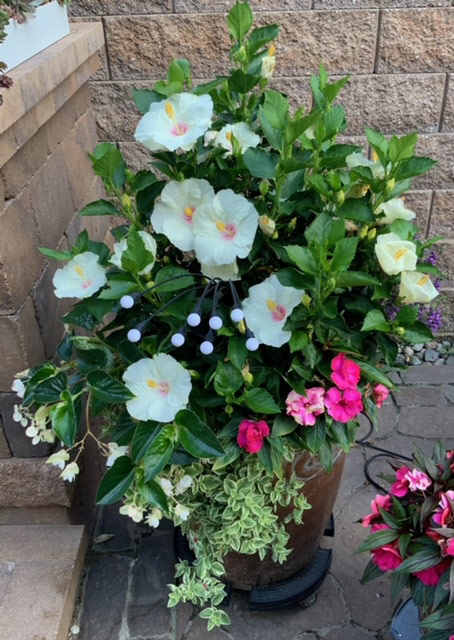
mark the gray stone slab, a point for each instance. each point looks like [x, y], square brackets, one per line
[6, 572]
[350, 633]
[420, 395]
[104, 597]
[112, 522]
[148, 614]
[427, 422]
[428, 374]
[449, 392]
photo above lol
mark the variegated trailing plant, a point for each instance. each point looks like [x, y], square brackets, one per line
[243, 314]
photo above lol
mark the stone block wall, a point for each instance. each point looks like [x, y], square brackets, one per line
[399, 54]
[46, 128]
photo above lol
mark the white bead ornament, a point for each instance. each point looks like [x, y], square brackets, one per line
[252, 344]
[215, 322]
[177, 339]
[237, 315]
[127, 302]
[194, 319]
[206, 347]
[134, 335]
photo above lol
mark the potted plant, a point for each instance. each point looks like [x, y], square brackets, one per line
[27, 27]
[241, 324]
[412, 536]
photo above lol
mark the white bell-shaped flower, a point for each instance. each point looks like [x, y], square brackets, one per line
[80, 278]
[58, 459]
[176, 122]
[70, 472]
[416, 287]
[267, 308]
[121, 246]
[225, 230]
[161, 387]
[395, 255]
[395, 209]
[174, 214]
[115, 451]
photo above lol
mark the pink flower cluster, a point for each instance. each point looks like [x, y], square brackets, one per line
[304, 409]
[409, 480]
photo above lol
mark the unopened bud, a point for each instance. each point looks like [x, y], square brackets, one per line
[340, 197]
[194, 374]
[372, 233]
[292, 224]
[166, 260]
[275, 235]
[400, 331]
[364, 231]
[229, 409]
[390, 186]
[242, 327]
[241, 54]
[150, 284]
[264, 187]
[126, 201]
[267, 225]
[247, 375]
[306, 300]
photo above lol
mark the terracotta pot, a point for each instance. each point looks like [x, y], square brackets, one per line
[320, 488]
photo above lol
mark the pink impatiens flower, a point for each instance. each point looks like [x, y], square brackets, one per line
[444, 515]
[400, 487]
[346, 373]
[345, 405]
[431, 577]
[379, 394]
[387, 557]
[304, 409]
[379, 502]
[409, 480]
[251, 435]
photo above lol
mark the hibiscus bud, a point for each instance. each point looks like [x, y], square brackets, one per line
[194, 374]
[267, 225]
[291, 224]
[229, 409]
[264, 187]
[275, 235]
[350, 226]
[241, 54]
[390, 186]
[242, 327]
[364, 231]
[340, 197]
[372, 233]
[400, 331]
[166, 260]
[247, 375]
[306, 300]
[150, 284]
[126, 202]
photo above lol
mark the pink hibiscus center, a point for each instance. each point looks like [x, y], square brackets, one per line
[228, 231]
[163, 388]
[179, 129]
[278, 312]
[87, 284]
[188, 214]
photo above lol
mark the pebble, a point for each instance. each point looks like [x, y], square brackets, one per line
[431, 345]
[400, 359]
[450, 360]
[431, 355]
[409, 351]
[418, 347]
[415, 361]
[439, 361]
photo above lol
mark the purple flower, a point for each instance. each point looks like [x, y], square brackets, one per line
[432, 258]
[434, 319]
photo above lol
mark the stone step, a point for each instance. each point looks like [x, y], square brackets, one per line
[40, 568]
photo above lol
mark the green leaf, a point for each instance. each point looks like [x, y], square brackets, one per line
[136, 257]
[371, 572]
[355, 279]
[261, 164]
[344, 252]
[319, 230]
[237, 352]
[241, 82]
[239, 20]
[356, 209]
[290, 277]
[379, 144]
[63, 418]
[142, 180]
[407, 315]
[419, 561]
[50, 389]
[123, 430]
[144, 98]
[56, 255]
[159, 452]
[283, 425]
[108, 389]
[171, 271]
[303, 258]
[272, 134]
[152, 493]
[260, 401]
[196, 436]
[293, 182]
[298, 341]
[375, 321]
[374, 374]
[91, 355]
[261, 37]
[412, 167]
[404, 147]
[227, 379]
[379, 539]
[116, 481]
[418, 333]
[176, 73]
[233, 452]
[207, 87]
[100, 208]
[108, 163]
[144, 434]
[275, 109]
[118, 286]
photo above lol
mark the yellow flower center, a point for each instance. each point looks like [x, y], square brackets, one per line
[170, 111]
[152, 383]
[272, 306]
[80, 272]
[423, 281]
[272, 50]
[162, 387]
[228, 135]
[400, 254]
[188, 213]
[375, 156]
[220, 225]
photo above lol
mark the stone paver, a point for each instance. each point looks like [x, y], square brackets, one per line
[124, 594]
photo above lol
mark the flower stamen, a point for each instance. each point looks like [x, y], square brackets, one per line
[423, 281]
[400, 254]
[188, 213]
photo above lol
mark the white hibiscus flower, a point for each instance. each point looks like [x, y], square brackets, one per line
[225, 230]
[174, 214]
[120, 247]
[175, 123]
[358, 159]
[242, 133]
[223, 271]
[80, 278]
[161, 387]
[395, 255]
[395, 209]
[416, 287]
[268, 63]
[267, 308]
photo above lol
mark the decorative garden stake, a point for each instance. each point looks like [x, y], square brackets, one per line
[249, 313]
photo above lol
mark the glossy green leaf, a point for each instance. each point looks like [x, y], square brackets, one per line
[116, 481]
[260, 401]
[108, 389]
[196, 436]
[100, 208]
[63, 418]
